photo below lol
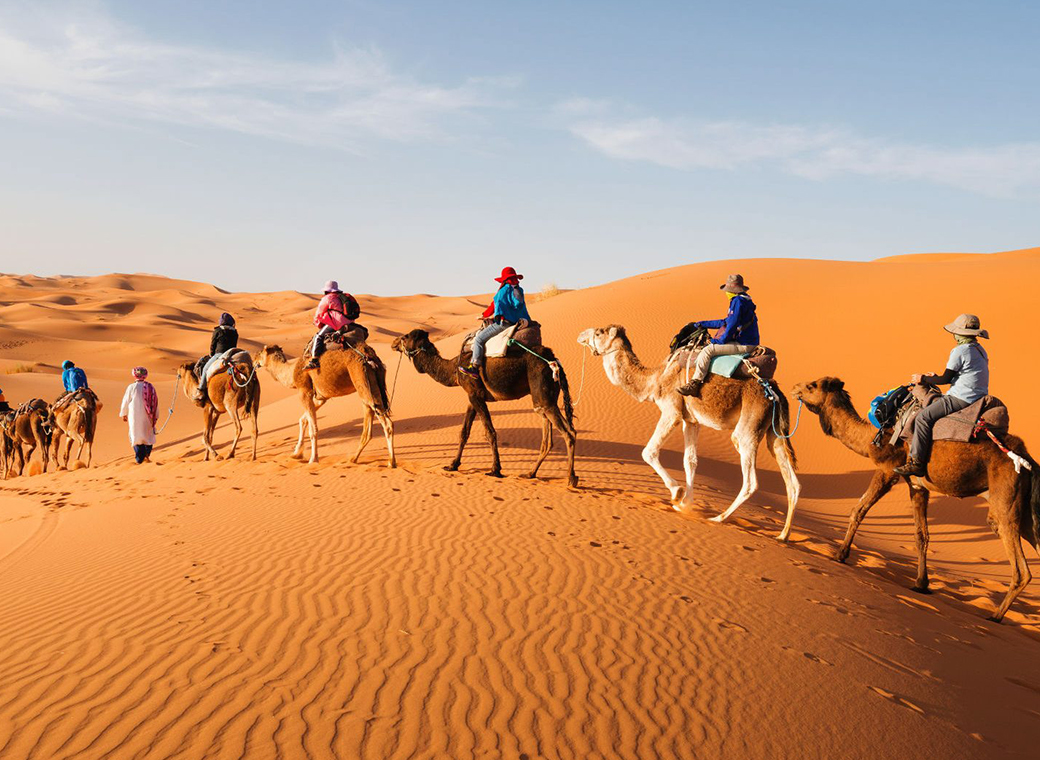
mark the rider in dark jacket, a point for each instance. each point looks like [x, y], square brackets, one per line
[224, 338]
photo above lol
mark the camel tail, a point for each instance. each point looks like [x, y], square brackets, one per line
[783, 424]
[1029, 482]
[565, 387]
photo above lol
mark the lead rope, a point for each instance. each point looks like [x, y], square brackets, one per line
[775, 400]
[581, 383]
[172, 405]
[553, 364]
[397, 372]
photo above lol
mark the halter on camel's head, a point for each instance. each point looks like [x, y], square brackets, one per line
[263, 353]
[413, 343]
[601, 339]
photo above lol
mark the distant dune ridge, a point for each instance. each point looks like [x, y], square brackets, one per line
[239, 609]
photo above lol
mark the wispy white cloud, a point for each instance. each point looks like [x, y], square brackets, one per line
[813, 152]
[75, 60]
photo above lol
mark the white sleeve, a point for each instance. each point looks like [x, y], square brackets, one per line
[124, 409]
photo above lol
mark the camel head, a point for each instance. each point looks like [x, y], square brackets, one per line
[604, 340]
[825, 392]
[268, 352]
[412, 343]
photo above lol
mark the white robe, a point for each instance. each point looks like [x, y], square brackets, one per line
[142, 429]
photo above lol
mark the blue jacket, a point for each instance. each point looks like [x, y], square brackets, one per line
[509, 303]
[73, 379]
[739, 326]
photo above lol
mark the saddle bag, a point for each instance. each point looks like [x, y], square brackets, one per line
[884, 408]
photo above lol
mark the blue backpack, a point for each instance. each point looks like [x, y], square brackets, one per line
[883, 408]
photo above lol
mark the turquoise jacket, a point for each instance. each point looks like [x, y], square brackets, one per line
[509, 303]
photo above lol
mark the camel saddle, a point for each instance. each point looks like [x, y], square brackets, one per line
[523, 332]
[759, 362]
[959, 426]
[347, 336]
[235, 355]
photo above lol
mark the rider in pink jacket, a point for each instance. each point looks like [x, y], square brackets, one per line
[330, 316]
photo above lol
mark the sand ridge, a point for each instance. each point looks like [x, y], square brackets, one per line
[266, 609]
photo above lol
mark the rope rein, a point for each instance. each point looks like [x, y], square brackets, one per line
[553, 364]
[172, 405]
[397, 372]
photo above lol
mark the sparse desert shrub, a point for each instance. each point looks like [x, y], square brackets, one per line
[19, 369]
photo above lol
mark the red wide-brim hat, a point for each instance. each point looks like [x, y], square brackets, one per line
[507, 273]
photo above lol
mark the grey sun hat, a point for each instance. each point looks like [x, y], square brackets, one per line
[966, 324]
[734, 284]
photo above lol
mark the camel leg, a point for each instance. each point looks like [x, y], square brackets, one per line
[791, 484]
[880, 484]
[747, 447]
[236, 420]
[670, 417]
[304, 420]
[570, 438]
[690, 432]
[366, 433]
[210, 423]
[68, 451]
[90, 452]
[1020, 575]
[467, 425]
[492, 436]
[919, 500]
[312, 420]
[255, 417]
[388, 433]
[546, 446]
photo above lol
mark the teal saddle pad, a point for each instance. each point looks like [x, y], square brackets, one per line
[726, 365]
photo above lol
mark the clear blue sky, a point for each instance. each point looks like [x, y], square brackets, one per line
[406, 147]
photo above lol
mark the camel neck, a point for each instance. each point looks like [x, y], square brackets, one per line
[848, 427]
[625, 370]
[444, 371]
[281, 370]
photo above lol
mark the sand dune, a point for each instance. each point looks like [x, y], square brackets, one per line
[276, 609]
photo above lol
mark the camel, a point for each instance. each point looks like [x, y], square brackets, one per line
[740, 406]
[341, 373]
[231, 392]
[955, 469]
[29, 427]
[76, 420]
[503, 379]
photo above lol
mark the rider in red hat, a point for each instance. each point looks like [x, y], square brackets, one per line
[506, 310]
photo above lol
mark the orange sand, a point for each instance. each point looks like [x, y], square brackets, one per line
[276, 609]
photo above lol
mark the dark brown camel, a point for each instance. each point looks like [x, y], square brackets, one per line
[76, 421]
[227, 393]
[505, 379]
[28, 430]
[955, 469]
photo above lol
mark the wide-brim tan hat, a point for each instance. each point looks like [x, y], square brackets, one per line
[734, 284]
[968, 325]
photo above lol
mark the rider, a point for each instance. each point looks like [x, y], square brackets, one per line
[331, 315]
[967, 373]
[737, 333]
[224, 338]
[73, 379]
[4, 406]
[506, 310]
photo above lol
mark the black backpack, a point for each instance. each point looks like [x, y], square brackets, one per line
[351, 308]
[884, 408]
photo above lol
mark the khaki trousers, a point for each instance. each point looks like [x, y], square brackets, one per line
[710, 351]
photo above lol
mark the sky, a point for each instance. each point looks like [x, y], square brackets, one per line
[405, 147]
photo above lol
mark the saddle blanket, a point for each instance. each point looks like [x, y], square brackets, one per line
[958, 426]
[219, 362]
[525, 333]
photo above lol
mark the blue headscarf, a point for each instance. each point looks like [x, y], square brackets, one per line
[67, 364]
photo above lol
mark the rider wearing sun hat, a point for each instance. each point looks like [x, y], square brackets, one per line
[506, 310]
[967, 374]
[330, 316]
[737, 332]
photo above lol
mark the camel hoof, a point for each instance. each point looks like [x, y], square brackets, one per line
[392, 464]
[995, 618]
[453, 467]
[678, 493]
[840, 556]
[782, 538]
[921, 590]
[354, 460]
[297, 456]
[527, 476]
[573, 481]
[494, 474]
[716, 519]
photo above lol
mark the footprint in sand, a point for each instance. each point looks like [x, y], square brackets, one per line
[896, 699]
[729, 625]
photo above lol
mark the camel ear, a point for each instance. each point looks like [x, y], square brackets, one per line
[612, 332]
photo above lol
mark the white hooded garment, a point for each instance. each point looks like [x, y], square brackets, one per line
[142, 429]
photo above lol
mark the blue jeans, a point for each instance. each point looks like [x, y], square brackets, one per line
[483, 336]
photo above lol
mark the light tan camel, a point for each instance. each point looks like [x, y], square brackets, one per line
[76, 421]
[231, 392]
[341, 373]
[27, 430]
[724, 404]
[955, 469]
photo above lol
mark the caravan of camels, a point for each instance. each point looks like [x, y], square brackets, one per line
[716, 375]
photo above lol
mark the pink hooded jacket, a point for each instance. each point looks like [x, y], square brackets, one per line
[330, 312]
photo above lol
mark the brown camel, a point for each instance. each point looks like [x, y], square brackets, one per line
[28, 429]
[955, 469]
[724, 404]
[341, 373]
[232, 392]
[76, 420]
[504, 379]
